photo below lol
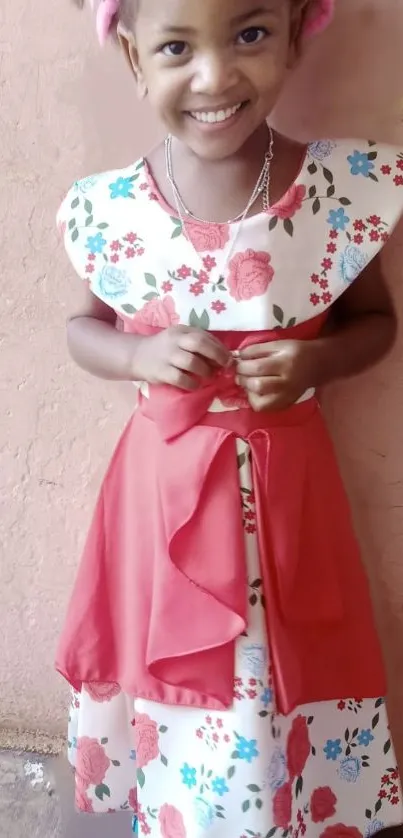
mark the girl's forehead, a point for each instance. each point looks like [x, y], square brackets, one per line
[176, 11]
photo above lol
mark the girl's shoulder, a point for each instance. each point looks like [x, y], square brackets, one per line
[98, 208]
[358, 164]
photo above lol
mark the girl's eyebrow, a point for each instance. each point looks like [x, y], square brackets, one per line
[238, 19]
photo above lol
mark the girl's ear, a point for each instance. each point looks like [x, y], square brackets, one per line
[128, 45]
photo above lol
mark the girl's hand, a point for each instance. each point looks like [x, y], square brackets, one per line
[180, 356]
[275, 375]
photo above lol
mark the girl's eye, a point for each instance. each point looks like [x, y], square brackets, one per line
[252, 35]
[175, 49]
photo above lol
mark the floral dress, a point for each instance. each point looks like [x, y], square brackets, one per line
[327, 769]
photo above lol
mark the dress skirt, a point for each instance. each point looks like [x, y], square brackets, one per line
[327, 770]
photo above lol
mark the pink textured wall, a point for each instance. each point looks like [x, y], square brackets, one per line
[60, 117]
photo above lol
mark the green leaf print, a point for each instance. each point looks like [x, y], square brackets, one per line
[202, 322]
[75, 203]
[331, 191]
[151, 296]
[88, 207]
[278, 314]
[178, 228]
[316, 206]
[246, 806]
[259, 803]
[312, 168]
[375, 721]
[102, 791]
[273, 222]
[74, 235]
[150, 280]
[116, 763]
[254, 789]
[291, 323]
[312, 192]
[345, 202]
[104, 741]
[141, 778]
[163, 729]
[387, 746]
[164, 760]
[288, 226]
[89, 221]
[328, 175]
[72, 223]
[231, 772]
[102, 226]
[372, 155]
[140, 165]
[128, 308]
[299, 787]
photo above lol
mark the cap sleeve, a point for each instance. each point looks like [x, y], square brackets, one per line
[82, 225]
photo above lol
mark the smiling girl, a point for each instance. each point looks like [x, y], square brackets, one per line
[220, 638]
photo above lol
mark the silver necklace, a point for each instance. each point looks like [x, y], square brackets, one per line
[262, 187]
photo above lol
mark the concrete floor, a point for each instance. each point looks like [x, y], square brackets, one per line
[36, 800]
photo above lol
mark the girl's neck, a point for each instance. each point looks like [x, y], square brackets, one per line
[220, 189]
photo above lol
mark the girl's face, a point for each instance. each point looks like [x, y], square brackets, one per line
[213, 69]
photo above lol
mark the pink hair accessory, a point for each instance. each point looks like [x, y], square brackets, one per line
[318, 17]
[106, 11]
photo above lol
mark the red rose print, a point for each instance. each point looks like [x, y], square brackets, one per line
[386, 170]
[298, 747]
[158, 313]
[209, 237]
[398, 180]
[82, 801]
[282, 806]
[145, 740]
[171, 822]
[323, 805]
[184, 272]
[290, 203]
[250, 274]
[341, 831]
[92, 762]
[102, 692]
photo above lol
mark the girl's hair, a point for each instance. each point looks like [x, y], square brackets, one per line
[318, 15]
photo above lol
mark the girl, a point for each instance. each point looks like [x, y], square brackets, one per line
[220, 637]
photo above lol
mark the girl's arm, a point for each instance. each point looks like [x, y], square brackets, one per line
[179, 356]
[362, 330]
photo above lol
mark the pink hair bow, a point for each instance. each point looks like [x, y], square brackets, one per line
[106, 11]
[318, 16]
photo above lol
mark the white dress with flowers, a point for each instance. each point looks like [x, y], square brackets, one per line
[328, 770]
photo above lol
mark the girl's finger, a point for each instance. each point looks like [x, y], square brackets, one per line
[260, 367]
[259, 385]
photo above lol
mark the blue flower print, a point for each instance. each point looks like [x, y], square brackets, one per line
[352, 261]
[350, 769]
[113, 282]
[267, 697]
[338, 219]
[85, 184]
[365, 738]
[373, 828]
[204, 813]
[132, 756]
[135, 825]
[277, 772]
[333, 749]
[121, 188]
[246, 749]
[321, 149]
[360, 164]
[96, 244]
[219, 786]
[188, 776]
[255, 657]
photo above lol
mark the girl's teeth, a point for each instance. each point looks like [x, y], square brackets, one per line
[215, 116]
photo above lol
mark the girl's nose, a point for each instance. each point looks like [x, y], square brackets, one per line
[214, 75]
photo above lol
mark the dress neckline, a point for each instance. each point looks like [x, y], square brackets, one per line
[258, 216]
